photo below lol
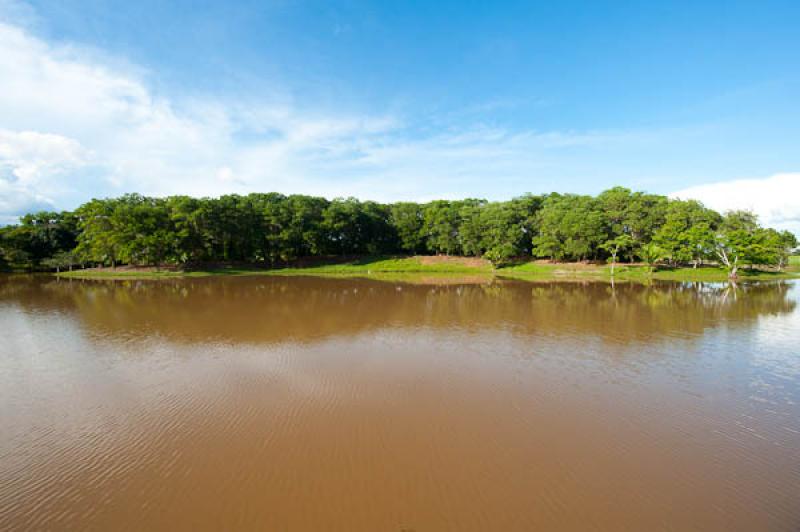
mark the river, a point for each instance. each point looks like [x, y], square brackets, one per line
[299, 403]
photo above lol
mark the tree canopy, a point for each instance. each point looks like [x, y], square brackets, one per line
[618, 224]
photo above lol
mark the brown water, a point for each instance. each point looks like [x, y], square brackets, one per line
[331, 404]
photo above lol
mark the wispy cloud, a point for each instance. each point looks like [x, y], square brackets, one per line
[73, 125]
[775, 199]
[76, 123]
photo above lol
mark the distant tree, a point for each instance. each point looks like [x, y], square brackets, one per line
[736, 241]
[441, 221]
[645, 215]
[526, 209]
[570, 227]
[63, 260]
[99, 240]
[699, 243]
[472, 229]
[4, 249]
[342, 223]
[496, 231]
[687, 232]
[267, 228]
[408, 220]
[636, 214]
[615, 204]
[729, 247]
[505, 231]
[651, 254]
[787, 243]
[188, 223]
[771, 247]
[377, 231]
[615, 246]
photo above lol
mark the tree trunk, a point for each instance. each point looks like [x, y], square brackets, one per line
[733, 273]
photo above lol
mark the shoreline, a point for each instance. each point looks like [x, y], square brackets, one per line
[446, 268]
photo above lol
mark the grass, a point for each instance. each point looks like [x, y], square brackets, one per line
[623, 272]
[389, 265]
[123, 274]
[451, 269]
[372, 266]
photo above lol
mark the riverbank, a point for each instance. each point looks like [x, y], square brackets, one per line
[397, 268]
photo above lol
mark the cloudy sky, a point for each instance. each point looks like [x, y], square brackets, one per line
[400, 100]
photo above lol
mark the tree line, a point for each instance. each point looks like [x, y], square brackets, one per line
[269, 229]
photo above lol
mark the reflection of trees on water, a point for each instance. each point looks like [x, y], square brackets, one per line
[267, 309]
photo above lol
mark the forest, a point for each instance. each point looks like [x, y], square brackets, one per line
[271, 229]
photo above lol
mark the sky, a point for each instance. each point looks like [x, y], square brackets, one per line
[400, 100]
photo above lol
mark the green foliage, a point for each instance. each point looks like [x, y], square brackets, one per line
[651, 254]
[740, 240]
[635, 214]
[274, 229]
[37, 237]
[440, 226]
[569, 227]
[407, 219]
[615, 246]
[687, 234]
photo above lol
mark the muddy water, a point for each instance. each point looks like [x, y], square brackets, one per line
[331, 404]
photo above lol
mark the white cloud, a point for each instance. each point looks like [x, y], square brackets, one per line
[775, 199]
[33, 170]
[88, 125]
[30, 156]
[76, 124]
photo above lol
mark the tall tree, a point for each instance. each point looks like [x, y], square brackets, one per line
[441, 220]
[686, 234]
[407, 219]
[570, 227]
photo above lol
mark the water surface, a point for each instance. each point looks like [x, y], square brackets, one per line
[345, 404]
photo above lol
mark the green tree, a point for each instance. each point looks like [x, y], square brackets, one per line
[787, 243]
[63, 260]
[736, 242]
[267, 228]
[188, 224]
[441, 221]
[99, 240]
[686, 234]
[651, 254]
[570, 227]
[615, 246]
[505, 231]
[353, 227]
[408, 220]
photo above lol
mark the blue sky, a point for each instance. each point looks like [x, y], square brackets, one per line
[400, 100]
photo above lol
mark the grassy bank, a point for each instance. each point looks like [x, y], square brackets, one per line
[443, 268]
[546, 271]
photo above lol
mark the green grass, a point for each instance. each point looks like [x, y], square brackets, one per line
[546, 271]
[794, 261]
[372, 266]
[412, 269]
[129, 274]
[385, 265]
